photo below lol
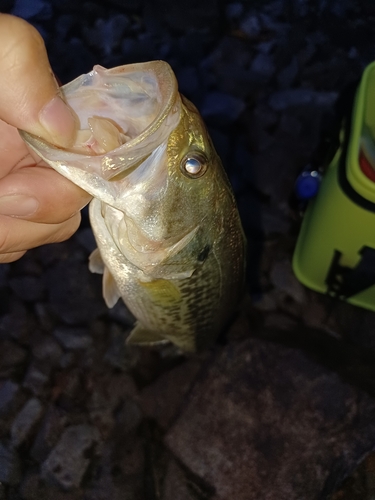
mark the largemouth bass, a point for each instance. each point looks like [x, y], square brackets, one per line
[169, 236]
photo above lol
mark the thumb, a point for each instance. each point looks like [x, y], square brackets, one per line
[29, 94]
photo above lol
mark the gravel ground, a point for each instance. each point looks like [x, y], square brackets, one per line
[281, 408]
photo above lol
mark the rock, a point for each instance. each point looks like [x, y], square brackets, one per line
[28, 288]
[251, 26]
[279, 321]
[46, 350]
[36, 379]
[69, 460]
[85, 237]
[178, 485]
[162, 400]
[284, 99]
[33, 488]
[64, 23]
[12, 356]
[234, 11]
[119, 355]
[25, 421]
[75, 301]
[129, 417]
[106, 34]
[188, 80]
[112, 402]
[222, 108]
[38, 9]
[8, 394]
[4, 272]
[274, 221]
[73, 338]
[10, 465]
[264, 410]
[121, 314]
[17, 323]
[283, 278]
[188, 15]
[45, 316]
[49, 433]
[263, 67]
[288, 74]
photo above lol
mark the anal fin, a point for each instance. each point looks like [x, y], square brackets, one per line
[142, 336]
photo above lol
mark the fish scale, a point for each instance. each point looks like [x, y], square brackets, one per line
[170, 240]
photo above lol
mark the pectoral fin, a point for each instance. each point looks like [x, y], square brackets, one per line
[111, 293]
[96, 264]
[140, 335]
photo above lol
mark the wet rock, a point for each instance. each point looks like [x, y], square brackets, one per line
[189, 15]
[45, 316]
[263, 67]
[64, 24]
[107, 34]
[280, 321]
[69, 388]
[263, 409]
[49, 433]
[17, 323]
[12, 356]
[75, 301]
[178, 485]
[36, 379]
[274, 221]
[119, 355]
[4, 272]
[46, 350]
[284, 99]
[10, 465]
[34, 488]
[70, 458]
[25, 421]
[8, 393]
[121, 314]
[129, 417]
[283, 278]
[111, 401]
[220, 107]
[251, 26]
[188, 80]
[28, 288]
[38, 9]
[73, 338]
[85, 237]
[163, 399]
[234, 11]
[288, 74]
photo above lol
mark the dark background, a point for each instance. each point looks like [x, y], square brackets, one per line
[282, 407]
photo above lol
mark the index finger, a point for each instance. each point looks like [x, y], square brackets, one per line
[29, 94]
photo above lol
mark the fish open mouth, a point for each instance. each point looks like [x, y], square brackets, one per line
[123, 113]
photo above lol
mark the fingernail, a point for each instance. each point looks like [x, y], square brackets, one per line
[18, 205]
[58, 121]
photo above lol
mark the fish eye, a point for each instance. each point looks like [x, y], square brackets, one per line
[194, 164]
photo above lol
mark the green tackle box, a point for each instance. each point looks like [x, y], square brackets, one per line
[335, 251]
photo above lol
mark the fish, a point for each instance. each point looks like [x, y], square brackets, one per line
[169, 237]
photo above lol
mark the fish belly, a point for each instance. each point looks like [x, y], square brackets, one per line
[184, 311]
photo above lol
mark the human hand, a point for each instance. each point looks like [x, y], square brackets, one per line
[37, 205]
